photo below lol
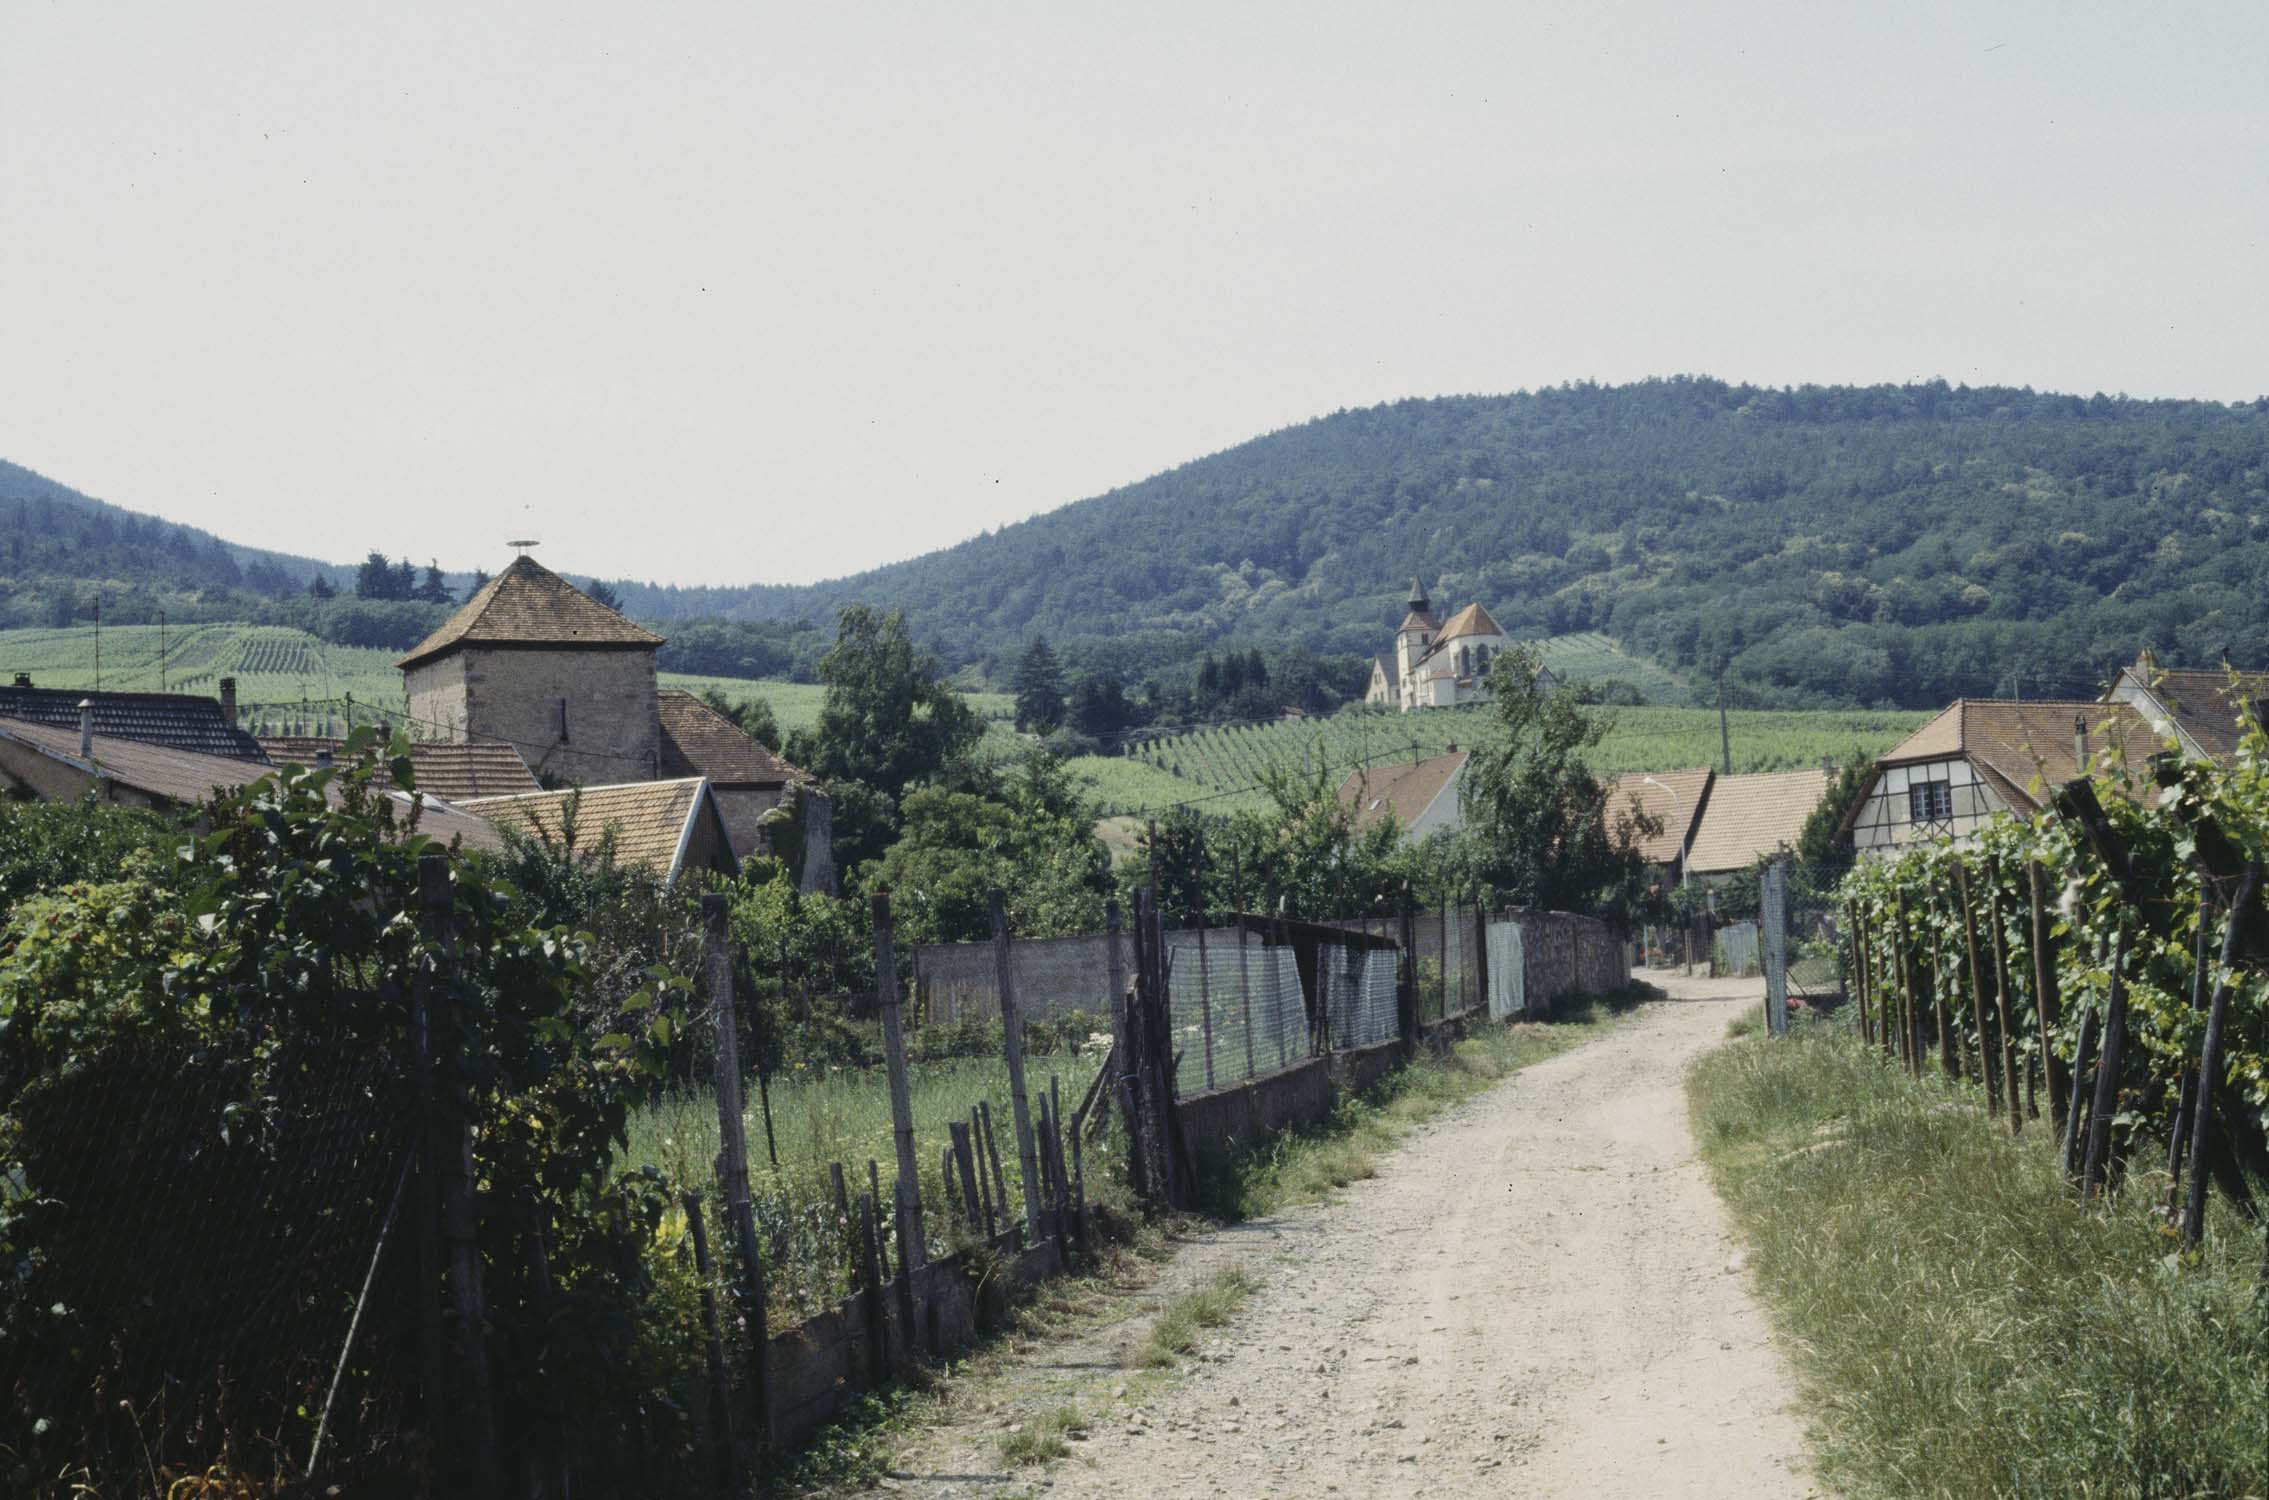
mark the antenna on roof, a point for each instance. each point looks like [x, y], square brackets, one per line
[522, 547]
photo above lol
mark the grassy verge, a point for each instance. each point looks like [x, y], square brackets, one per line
[1175, 1332]
[1961, 1326]
[1310, 1165]
[1041, 1440]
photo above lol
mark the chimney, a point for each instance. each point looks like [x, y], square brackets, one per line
[23, 679]
[86, 729]
[2080, 741]
[228, 700]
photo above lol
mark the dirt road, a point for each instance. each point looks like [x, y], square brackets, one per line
[1537, 1296]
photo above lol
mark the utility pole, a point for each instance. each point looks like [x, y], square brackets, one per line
[1725, 735]
[161, 651]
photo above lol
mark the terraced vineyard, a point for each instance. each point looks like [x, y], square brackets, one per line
[1219, 769]
[1592, 657]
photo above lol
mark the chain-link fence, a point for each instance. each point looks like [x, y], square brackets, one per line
[1053, 977]
[1239, 1009]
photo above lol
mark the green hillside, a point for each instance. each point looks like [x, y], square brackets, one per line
[1829, 546]
[1220, 769]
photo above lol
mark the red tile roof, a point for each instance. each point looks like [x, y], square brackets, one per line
[699, 741]
[451, 772]
[529, 605]
[1675, 797]
[2020, 743]
[651, 821]
[1751, 815]
[1404, 790]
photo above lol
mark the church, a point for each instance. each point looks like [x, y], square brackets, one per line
[1434, 665]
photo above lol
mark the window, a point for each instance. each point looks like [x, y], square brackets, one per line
[1930, 801]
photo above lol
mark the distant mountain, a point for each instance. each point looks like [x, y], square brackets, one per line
[1880, 545]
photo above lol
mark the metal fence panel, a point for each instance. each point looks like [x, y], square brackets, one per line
[1358, 989]
[1508, 971]
[1239, 1010]
[1054, 976]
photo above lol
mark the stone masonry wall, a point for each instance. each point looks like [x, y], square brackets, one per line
[486, 692]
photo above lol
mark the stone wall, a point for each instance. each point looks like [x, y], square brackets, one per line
[743, 808]
[1569, 957]
[577, 715]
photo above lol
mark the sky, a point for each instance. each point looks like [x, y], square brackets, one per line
[736, 293]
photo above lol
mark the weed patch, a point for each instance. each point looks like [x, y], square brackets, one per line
[1961, 1326]
[1042, 1439]
[1175, 1334]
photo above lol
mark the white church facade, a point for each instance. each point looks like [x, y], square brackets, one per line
[1434, 665]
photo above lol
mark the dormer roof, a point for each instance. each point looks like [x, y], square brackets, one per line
[529, 605]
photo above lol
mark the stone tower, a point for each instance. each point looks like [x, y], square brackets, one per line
[535, 662]
[1416, 632]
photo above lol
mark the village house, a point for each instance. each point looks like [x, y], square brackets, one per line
[2203, 712]
[1676, 800]
[1982, 757]
[65, 765]
[534, 664]
[1746, 818]
[1434, 665]
[663, 827]
[178, 721]
[1422, 796]
[452, 772]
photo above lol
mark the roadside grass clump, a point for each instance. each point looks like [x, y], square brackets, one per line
[1307, 1166]
[1960, 1324]
[1041, 1439]
[1175, 1333]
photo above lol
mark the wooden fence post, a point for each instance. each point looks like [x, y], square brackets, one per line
[2210, 1062]
[2095, 1165]
[2045, 1007]
[906, 1194]
[434, 1396]
[1989, 1051]
[1406, 993]
[459, 1229]
[720, 1408]
[1012, 1047]
[732, 1146]
[1858, 969]
[2005, 1020]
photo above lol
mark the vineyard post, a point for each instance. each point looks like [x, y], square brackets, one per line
[2074, 1106]
[713, 1352]
[1012, 1047]
[2045, 1006]
[732, 1140]
[2178, 1138]
[2005, 1023]
[2210, 1061]
[907, 1197]
[1989, 1059]
[2094, 1166]
[1858, 968]
[1949, 1058]
[1910, 1027]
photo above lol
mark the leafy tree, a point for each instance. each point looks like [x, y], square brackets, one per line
[319, 587]
[405, 584]
[1823, 841]
[603, 592]
[888, 723]
[1100, 709]
[1035, 844]
[374, 579]
[1534, 812]
[1039, 689]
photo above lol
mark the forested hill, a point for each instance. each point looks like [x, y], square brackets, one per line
[1877, 545]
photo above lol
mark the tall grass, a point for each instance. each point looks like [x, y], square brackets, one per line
[1961, 1325]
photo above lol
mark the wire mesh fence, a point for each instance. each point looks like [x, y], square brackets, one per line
[1358, 982]
[1053, 976]
[1239, 1010]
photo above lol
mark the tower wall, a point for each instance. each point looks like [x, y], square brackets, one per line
[575, 714]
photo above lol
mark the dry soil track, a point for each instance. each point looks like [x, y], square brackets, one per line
[1538, 1295]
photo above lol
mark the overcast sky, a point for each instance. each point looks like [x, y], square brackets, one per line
[738, 292]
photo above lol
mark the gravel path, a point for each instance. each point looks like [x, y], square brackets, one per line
[1537, 1295]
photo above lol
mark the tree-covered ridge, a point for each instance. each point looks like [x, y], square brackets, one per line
[1833, 545]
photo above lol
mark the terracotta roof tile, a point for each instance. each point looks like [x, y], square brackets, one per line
[2210, 706]
[2028, 741]
[1418, 619]
[699, 741]
[650, 820]
[454, 773]
[529, 605]
[188, 778]
[1471, 620]
[1751, 815]
[1676, 797]
[1405, 789]
[179, 721]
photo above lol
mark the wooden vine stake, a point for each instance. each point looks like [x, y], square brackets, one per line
[2006, 1021]
[1012, 1045]
[2095, 1165]
[1989, 1051]
[2210, 1061]
[2045, 1008]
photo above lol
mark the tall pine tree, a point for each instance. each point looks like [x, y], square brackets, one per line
[1039, 689]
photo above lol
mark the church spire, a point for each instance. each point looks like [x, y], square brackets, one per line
[1419, 603]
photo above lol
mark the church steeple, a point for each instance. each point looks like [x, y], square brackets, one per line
[1419, 603]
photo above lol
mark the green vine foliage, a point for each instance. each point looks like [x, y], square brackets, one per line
[2187, 827]
[206, 1110]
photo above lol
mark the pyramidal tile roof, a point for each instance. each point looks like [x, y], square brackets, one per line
[1746, 816]
[529, 605]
